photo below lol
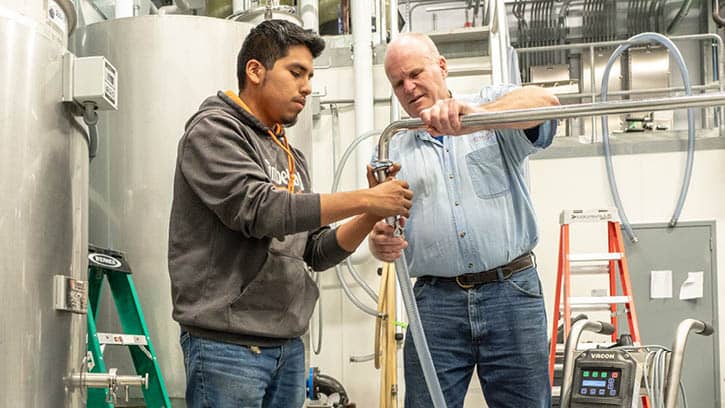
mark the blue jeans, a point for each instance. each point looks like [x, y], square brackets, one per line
[499, 327]
[223, 375]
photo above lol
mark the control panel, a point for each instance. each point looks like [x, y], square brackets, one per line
[605, 378]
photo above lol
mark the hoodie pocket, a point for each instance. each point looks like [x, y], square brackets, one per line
[278, 302]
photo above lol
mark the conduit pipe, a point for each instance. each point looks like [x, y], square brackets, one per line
[649, 37]
[681, 13]
[716, 14]
[503, 117]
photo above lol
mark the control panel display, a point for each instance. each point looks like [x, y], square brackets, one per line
[599, 382]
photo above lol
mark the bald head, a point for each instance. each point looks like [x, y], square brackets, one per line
[416, 71]
[411, 44]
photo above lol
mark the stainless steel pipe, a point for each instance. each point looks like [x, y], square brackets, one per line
[678, 355]
[558, 112]
[571, 342]
[109, 380]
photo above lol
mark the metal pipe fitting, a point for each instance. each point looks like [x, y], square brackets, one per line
[678, 355]
[571, 342]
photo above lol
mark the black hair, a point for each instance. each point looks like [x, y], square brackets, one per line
[270, 41]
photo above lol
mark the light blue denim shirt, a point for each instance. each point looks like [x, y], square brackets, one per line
[471, 207]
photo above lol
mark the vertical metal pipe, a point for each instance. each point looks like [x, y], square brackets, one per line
[394, 105]
[678, 355]
[593, 89]
[363, 71]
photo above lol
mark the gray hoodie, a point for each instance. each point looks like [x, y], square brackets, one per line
[239, 243]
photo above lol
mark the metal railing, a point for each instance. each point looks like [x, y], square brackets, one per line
[557, 112]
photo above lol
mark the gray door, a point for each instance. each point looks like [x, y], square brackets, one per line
[687, 248]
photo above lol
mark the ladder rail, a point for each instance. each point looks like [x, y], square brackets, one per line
[133, 323]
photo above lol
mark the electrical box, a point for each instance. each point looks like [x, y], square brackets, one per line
[90, 79]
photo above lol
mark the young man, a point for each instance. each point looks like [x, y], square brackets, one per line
[470, 235]
[245, 228]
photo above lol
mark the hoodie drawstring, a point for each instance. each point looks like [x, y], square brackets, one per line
[275, 133]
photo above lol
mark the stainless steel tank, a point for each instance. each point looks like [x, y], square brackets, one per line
[167, 66]
[43, 208]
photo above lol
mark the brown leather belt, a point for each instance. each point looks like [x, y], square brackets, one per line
[470, 280]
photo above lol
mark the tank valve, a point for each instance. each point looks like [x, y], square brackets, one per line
[110, 380]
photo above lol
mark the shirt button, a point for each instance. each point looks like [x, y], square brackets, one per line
[450, 176]
[447, 150]
[470, 265]
[457, 203]
[462, 234]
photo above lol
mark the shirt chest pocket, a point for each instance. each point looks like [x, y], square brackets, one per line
[487, 172]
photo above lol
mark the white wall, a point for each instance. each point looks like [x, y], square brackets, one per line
[648, 183]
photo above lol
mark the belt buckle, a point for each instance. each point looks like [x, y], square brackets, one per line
[462, 285]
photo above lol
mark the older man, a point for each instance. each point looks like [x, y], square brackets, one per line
[469, 238]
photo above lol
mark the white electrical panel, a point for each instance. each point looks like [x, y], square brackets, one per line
[90, 79]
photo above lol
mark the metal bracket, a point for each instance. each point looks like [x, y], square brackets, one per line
[70, 294]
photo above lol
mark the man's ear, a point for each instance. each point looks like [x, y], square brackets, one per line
[255, 71]
[443, 65]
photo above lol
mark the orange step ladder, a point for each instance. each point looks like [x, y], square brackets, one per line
[591, 263]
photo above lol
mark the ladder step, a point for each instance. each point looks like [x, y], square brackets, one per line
[594, 215]
[593, 268]
[599, 300]
[122, 339]
[604, 256]
[556, 391]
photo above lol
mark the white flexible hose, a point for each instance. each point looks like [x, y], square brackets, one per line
[675, 52]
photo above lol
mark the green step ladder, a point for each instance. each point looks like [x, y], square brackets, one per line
[111, 265]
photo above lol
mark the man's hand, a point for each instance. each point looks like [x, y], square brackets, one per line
[444, 117]
[383, 245]
[392, 171]
[392, 197]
